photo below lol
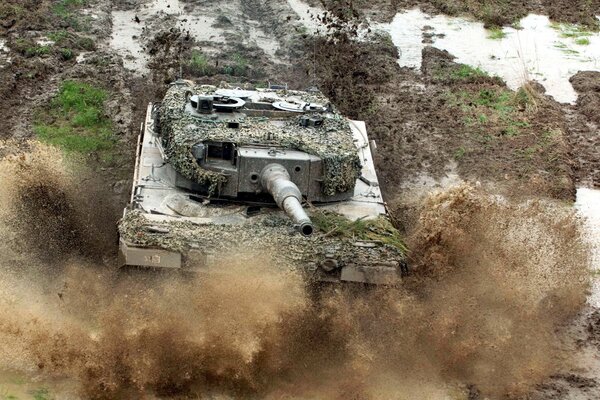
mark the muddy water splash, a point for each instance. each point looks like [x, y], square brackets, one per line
[493, 284]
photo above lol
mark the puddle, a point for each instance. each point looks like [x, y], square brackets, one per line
[44, 42]
[125, 40]
[200, 26]
[127, 32]
[540, 50]
[306, 14]
[82, 57]
[4, 59]
[588, 205]
[199, 21]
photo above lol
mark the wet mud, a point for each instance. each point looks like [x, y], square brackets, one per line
[583, 128]
[491, 13]
[494, 307]
[485, 307]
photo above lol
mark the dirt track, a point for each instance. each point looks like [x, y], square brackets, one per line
[426, 137]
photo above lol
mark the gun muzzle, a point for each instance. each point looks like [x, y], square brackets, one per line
[275, 179]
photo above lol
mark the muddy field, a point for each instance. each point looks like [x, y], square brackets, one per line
[480, 178]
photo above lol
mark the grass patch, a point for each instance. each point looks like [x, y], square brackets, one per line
[64, 45]
[460, 153]
[66, 11]
[64, 38]
[496, 34]
[573, 31]
[199, 64]
[67, 54]
[578, 33]
[238, 67]
[59, 37]
[497, 109]
[379, 230]
[467, 72]
[29, 48]
[461, 73]
[36, 51]
[75, 121]
[41, 394]
[240, 64]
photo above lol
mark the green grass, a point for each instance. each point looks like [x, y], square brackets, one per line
[578, 33]
[496, 33]
[582, 41]
[573, 31]
[466, 71]
[85, 43]
[75, 121]
[36, 51]
[66, 39]
[67, 54]
[380, 229]
[460, 73]
[240, 64]
[238, 67]
[66, 10]
[497, 108]
[41, 394]
[199, 64]
[460, 153]
[29, 48]
[58, 37]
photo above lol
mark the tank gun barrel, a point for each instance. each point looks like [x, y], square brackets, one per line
[275, 179]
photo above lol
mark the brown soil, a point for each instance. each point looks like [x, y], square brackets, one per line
[452, 322]
[421, 128]
[424, 123]
[490, 12]
[584, 121]
[587, 84]
[80, 222]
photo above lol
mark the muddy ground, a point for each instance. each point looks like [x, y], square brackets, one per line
[433, 127]
[492, 12]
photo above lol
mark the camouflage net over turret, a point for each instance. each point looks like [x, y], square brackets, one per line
[332, 141]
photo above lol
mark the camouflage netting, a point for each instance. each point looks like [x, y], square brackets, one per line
[332, 142]
[271, 232]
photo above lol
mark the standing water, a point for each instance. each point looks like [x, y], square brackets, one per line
[535, 49]
[588, 206]
[306, 14]
[128, 27]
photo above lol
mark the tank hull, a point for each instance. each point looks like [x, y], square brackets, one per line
[167, 226]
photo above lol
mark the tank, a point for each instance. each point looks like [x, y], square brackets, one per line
[270, 169]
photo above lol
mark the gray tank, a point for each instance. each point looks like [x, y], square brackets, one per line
[271, 170]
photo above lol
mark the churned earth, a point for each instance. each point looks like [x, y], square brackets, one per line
[488, 181]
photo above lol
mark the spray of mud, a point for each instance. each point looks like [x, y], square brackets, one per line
[494, 284]
[54, 208]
